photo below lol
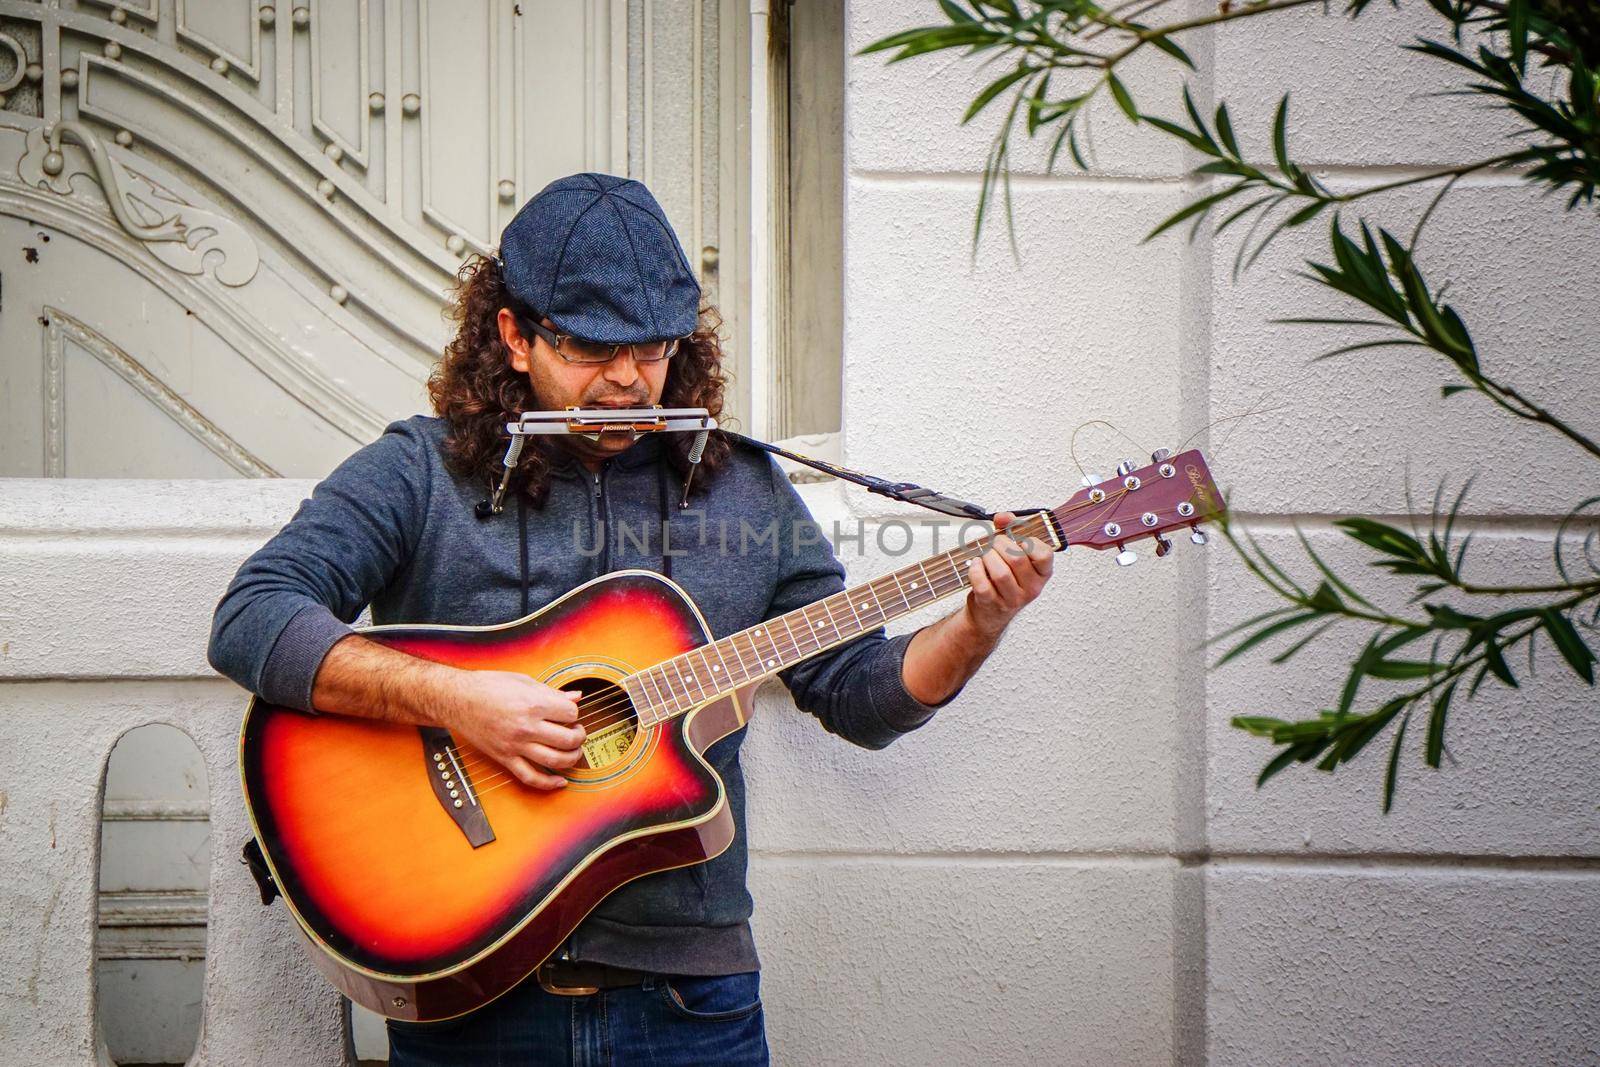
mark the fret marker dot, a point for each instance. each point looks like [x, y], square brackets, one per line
[758, 633]
[913, 585]
[714, 667]
[772, 663]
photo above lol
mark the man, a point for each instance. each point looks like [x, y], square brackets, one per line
[591, 303]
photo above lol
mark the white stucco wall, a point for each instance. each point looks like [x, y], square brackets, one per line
[1298, 924]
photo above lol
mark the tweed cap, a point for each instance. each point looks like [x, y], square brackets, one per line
[595, 254]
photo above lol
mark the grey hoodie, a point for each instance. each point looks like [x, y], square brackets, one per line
[391, 527]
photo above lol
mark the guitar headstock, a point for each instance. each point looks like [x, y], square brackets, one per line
[1170, 493]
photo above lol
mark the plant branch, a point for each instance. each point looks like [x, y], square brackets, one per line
[1144, 37]
[1508, 398]
[1452, 172]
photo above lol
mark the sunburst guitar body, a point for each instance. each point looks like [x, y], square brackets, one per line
[429, 890]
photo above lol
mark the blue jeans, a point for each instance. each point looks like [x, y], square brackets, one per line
[669, 1021]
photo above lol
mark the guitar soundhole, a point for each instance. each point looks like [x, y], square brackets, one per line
[608, 718]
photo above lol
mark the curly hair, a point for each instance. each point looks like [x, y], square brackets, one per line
[476, 391]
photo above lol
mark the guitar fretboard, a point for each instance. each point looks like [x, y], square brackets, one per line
[676, 685]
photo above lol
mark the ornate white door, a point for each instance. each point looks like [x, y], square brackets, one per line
[227, 227]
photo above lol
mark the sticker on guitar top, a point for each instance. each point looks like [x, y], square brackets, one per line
[608, 747]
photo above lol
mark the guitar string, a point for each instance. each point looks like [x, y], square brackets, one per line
[958, 576]
[596, 717]
[503, 778]
[792, 647]
[596, 714]
[597, 723]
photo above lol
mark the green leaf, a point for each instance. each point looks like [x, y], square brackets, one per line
[994, 89]
[1077, 152]
[925, 39]
[954, 11]
[1400, 670]
[1205, 203]
[1326, 599]
[1246, 624]
[1171, 48]
[1278, 763]
[1358, 670]
[1035, 102]
[1119, 92]
[1334, 322]
[1194, 112]
[1394, 764]
[1446, 617]
[1495, 660]
[1328, 571]
[1360, 730]
[1448, 391]
[1260, 725]
[1377, 650]
[1434, 747]
[1382, 537]
[1265, 632]
[1363, 346]
[1517, 32]
[1247, 209]
[1288, 653]
[1569, 643]
[1225, 131]
[1199, 141]
[1217, 166]
[1307, 213]
[1280, 135]
[1271, 565]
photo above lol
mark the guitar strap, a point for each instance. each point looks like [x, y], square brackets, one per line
[252, 858]
[909, 492]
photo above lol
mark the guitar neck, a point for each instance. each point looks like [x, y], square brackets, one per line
[677, 685]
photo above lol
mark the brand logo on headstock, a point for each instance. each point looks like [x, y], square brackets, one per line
[1197, 482]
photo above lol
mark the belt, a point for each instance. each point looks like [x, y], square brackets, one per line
[576, 978]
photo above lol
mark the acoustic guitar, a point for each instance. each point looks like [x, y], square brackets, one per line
[427, 881]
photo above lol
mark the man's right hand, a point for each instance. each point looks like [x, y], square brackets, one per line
[527, 727]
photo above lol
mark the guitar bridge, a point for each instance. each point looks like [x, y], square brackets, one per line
[453, 787]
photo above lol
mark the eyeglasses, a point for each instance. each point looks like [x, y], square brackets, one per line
[577, 350]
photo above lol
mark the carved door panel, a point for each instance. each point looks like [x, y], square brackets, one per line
[228, 227]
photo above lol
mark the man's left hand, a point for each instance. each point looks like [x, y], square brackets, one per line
[1006, 578]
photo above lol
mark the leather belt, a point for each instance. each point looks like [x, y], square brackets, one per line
[577, 978]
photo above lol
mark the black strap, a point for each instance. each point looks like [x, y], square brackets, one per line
[522, 532]
[522, 540]
[252, 857]
[909, 492]
[666, 516]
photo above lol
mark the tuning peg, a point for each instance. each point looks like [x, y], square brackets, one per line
[1127, 557]
[1198, 536]
[1126, 467]
[1161, 455]
[1091, 480]
[1163, 545]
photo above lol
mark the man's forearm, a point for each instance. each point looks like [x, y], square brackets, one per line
[943, 656]
[361, 677]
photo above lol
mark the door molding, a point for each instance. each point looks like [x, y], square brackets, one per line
[59, 327]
